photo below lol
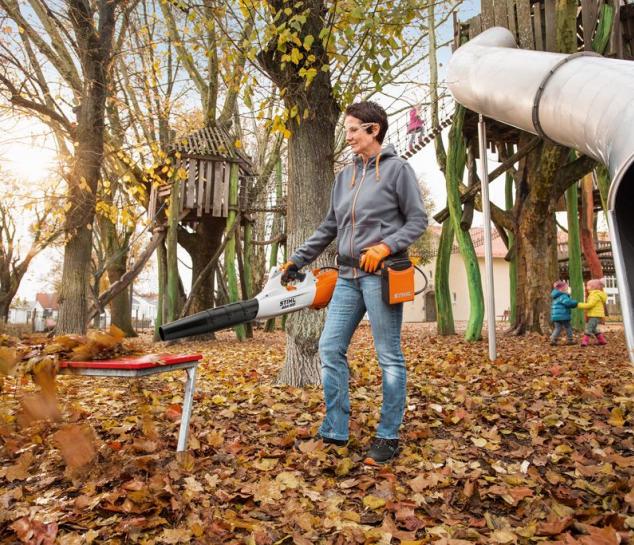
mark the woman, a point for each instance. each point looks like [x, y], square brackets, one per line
[376, 210]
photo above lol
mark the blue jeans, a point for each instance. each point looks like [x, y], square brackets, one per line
[350, 300]
[559, 325]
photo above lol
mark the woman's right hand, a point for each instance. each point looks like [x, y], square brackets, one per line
[289, 271]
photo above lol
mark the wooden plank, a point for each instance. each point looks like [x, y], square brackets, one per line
[512, 17]
[225, 192]
[616, 39]
[191, 184]
[219, 181]
[486, 14]
[525, 25]
[538, 26]
[209, 185]
[550, 25]
[587, 22]
[152, 205]
[501, 13]
[200, 194]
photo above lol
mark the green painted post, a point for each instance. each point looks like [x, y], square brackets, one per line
[247, 269]
[230, 248]
[575, 270]
[444, 306]
[172, 258]
[456, 159]
[275, 231]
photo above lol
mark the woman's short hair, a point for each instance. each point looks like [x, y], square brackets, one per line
[370, 112]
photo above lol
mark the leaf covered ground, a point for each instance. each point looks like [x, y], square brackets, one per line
[535, 448]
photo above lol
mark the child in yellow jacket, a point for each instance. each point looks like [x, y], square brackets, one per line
[595, 307]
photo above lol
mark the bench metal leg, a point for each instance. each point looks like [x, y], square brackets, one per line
[190, 385]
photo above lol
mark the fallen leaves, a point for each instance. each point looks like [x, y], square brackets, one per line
[535, 448]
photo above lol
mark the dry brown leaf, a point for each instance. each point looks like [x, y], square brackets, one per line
[8, 360]
[34, 532]
[76, 443]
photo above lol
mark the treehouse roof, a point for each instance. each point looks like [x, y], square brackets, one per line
[213, 143]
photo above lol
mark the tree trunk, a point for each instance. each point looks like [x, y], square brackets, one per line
[444, 306]
[310, 182]
[201, 247]
[536, 238]
[116, 256]
[509, 202]
[456, 157]
[120, 306]
[5, 304]
[230, 250]
[587, 223]
[95, 44]
[310, 172]
[161, 307]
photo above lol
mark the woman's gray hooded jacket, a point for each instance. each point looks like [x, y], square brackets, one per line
[380, 202]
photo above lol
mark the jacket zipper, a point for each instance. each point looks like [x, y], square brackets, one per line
[354, 202]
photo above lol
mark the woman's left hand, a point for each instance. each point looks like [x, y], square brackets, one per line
[371, 257]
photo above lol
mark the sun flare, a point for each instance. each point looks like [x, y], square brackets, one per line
[29, 163]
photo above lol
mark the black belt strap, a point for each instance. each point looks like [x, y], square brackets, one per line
[348, 261]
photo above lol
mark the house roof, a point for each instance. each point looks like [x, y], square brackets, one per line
[48, 300]
[477, 236]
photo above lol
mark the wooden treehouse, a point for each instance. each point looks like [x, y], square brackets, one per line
[206, 156]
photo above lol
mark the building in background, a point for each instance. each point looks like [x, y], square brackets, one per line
[423, 308]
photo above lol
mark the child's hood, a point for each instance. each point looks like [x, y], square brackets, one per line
[556, 293]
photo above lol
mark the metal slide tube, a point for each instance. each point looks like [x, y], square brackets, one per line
[580, 101]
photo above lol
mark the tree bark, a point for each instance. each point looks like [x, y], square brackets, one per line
[310, 177]
[201, 247]
[310, 181]
[586, 221]
[94, 42]
[509, 203]
[536, 238]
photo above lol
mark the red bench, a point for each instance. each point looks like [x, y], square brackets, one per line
[141, 366]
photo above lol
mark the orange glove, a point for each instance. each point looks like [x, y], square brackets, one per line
[371, 257]
[289, 271]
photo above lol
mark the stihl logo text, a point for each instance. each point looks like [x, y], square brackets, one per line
[287, 303]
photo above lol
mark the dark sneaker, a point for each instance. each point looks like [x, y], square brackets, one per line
[553, 343]
[330, 440]
[381, 451]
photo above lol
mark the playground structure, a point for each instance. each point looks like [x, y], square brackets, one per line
[582, 101]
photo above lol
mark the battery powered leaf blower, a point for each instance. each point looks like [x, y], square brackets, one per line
[312, 289]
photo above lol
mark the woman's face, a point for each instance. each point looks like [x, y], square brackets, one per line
[358, 138]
